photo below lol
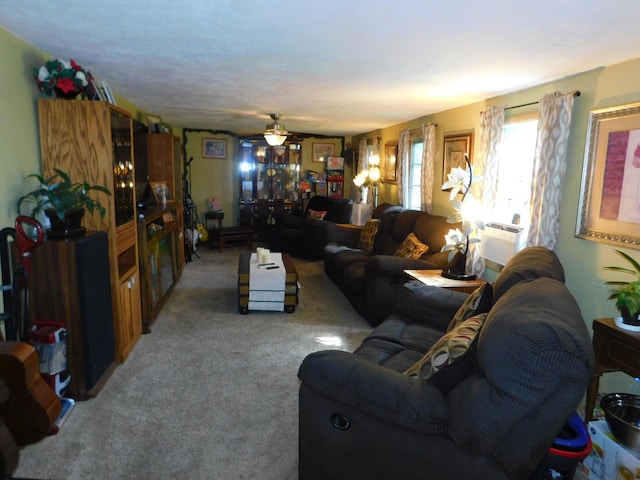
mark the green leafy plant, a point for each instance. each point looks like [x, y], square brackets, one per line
[60, 194]
[626, 294]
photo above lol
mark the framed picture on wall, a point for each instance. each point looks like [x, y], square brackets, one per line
[214, 148]
[322, 151]
[609, 209]
[455, 146]
[389, 170]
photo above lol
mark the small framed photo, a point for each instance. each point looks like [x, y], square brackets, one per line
[214, 148]
[390, 154]
[455, 146]
[157, 188]
[609, 209]
[322, 151]
[335, 163]
[108, 94]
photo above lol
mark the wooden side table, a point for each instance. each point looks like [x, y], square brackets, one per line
[434, 278]
[615, 349]
[219, 216]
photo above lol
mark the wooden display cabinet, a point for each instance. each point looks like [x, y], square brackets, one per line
[93, 141]
[160, 243]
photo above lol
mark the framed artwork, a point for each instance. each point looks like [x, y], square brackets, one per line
[335, 163]
[389, 170]
[108, 93]
[322, 151]
[609, 209]
[157, 188]
[214, 148]
[455, 146]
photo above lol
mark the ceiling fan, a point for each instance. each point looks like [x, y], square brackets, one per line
[276, 133]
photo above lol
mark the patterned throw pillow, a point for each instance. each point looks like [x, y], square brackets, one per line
[315, 215]
[411, 248]
[449, 352]
[479, 301]
[368, 234]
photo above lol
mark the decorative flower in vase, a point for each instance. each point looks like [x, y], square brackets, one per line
[65, 79]
[467, 212]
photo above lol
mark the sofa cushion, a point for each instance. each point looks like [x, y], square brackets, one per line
[431, 229]
[452, 357]
[528, 264]
[479, 301]
[411, 247]
[368, 234]
[315, 214]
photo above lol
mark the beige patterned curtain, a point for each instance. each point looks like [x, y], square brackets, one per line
[428, 166]
[486, 165]
[403, 167]
[549, 167]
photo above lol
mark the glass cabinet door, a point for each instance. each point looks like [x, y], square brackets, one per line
[122, 167]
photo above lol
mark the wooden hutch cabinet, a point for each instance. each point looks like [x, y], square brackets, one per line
[269, 180]
[93, 141]
[160, 227]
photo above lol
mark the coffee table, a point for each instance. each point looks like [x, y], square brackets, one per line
[291, 283]
[434, 278]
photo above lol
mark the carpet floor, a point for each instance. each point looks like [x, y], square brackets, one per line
[209, 393]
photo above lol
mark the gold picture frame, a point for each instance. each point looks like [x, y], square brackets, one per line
[455, 146]
[609, 209]
[390, 156]
[322, 151]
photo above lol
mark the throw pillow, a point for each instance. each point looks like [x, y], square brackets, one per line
[368, 234]
[479, 301]
[315, 215]
[411, 248]
[452, 357]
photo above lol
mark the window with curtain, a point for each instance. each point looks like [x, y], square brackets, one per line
[415, 176]
[515, 170]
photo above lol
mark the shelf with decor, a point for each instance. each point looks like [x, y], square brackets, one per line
[93, 141]
[160, 244]
[269, 180]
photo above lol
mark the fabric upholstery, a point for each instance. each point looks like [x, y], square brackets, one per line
[479, 301]
[491, 414]
[411, 247]
[368, 234]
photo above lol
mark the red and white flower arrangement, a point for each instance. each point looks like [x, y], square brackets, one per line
[64, 78]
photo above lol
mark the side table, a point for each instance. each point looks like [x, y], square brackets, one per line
[615, 349]
[219, 216]
[434, 278]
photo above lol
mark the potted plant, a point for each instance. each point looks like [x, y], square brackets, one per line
[63, 202]
[627, 294]
[65, 79]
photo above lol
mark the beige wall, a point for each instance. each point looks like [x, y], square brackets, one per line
[583, 260]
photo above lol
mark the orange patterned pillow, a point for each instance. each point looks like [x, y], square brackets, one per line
[368, 234]
[411, 248]
[315, 215]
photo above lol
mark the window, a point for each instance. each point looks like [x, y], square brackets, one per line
[517, 151]
[415, 175]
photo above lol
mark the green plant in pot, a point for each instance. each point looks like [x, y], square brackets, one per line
[627, 294]
[63, 202]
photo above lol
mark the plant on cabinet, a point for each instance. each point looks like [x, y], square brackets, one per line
[626, 294]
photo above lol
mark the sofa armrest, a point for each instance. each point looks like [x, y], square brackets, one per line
[343, 234]
[397, 399]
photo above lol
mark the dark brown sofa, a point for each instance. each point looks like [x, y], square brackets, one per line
[369, 278]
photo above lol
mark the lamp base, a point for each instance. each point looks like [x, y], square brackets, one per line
[459, 276]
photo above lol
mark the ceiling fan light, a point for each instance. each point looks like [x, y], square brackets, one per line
[276, 133]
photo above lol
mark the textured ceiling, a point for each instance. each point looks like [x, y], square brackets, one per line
[336, 67]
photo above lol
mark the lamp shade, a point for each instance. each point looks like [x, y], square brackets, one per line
[276, 133]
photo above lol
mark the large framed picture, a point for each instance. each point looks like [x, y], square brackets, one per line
[214, 148]
[455, 146]
[609, 209]
[322, 151]
[390, 154]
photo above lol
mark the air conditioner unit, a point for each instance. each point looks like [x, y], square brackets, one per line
[500, 242]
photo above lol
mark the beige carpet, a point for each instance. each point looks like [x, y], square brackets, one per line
[210, 393]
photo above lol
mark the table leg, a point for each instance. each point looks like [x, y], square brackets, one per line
[592, 395]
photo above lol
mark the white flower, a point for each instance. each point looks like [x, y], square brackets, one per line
[82, 77]
[43, 73]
